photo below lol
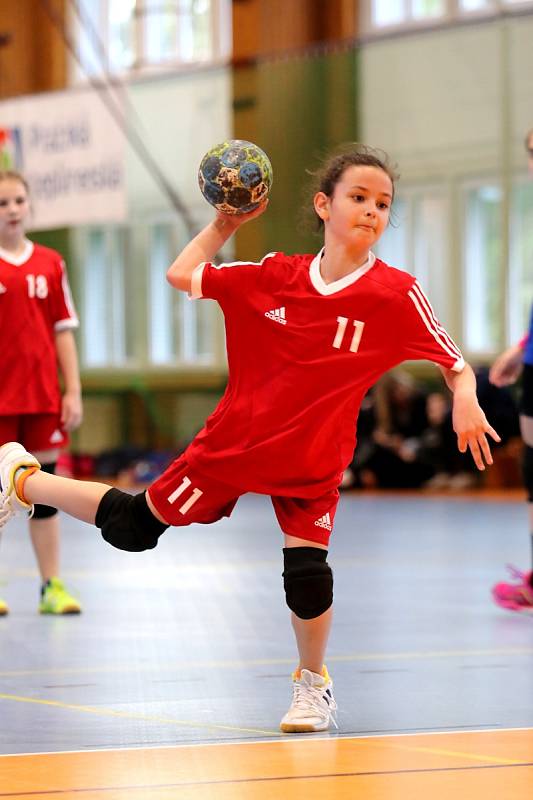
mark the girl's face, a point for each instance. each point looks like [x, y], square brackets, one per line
[14, 208]
[358, 211]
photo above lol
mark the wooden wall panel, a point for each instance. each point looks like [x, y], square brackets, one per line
[32, 56]
[267, 27]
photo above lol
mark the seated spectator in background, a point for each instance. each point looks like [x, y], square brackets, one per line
[437, 446]
[406, 438]
[387, 456]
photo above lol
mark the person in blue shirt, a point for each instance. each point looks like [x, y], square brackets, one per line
[513, 362]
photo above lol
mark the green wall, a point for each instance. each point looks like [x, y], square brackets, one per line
[296, 109]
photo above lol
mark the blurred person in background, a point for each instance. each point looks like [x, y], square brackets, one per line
[37, 319]
[513, 362]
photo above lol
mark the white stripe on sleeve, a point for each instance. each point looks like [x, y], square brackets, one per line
[245, 263]
[427, 305]
[422, 305]
[196, 282]
[68, 296]
[196, 277]
[65, 324]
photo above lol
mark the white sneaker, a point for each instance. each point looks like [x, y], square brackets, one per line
[313, 705]
[12, 457]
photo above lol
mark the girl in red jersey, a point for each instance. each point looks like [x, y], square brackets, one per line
[36, 323]
[306, 337]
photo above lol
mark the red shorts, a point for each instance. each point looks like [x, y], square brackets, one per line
[182, 496]
[35, 431]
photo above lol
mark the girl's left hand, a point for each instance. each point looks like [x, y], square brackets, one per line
[71, 410]
[471, 426]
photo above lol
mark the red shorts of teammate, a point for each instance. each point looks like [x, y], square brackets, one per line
[35, 431]
[182, 496]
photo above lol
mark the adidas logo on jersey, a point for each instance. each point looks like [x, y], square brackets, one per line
[3, 289]
[277, 314]
[324, 522]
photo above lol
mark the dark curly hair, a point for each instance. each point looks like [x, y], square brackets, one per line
[352, 154]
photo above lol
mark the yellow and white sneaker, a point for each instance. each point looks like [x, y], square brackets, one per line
[4, 609]
[12, 458]
[313, 706]
[56, 600]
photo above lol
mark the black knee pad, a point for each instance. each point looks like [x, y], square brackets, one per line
[527, 471]
[308, 581]
[41, 511]
[126, 521]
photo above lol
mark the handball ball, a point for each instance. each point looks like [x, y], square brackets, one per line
[235, 176]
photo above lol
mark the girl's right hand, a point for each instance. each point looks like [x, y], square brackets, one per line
[236, 220]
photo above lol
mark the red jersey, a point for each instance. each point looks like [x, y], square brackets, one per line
[35, 303]
[301, 356]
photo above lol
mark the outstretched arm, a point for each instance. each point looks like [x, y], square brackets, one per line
[508, 366]
[206, 245]
[469, 421]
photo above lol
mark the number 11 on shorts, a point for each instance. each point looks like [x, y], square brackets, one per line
[195, 495]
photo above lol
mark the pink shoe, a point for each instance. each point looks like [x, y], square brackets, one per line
[515, 596]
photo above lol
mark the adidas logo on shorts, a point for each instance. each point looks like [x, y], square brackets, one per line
[277, 314]
[324, 522]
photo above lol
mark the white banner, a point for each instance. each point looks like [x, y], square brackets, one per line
[71, 151]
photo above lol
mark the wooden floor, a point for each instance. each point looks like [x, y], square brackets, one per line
[163, 690]
[475, 765]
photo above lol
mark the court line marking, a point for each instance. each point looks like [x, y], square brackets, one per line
[283, 738]
[104, 712]
[269, 779]
[435, 751]
[264, 662]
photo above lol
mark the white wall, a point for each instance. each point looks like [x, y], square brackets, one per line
[444, 100]
[181, 117]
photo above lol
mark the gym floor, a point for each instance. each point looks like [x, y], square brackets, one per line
[172, 682]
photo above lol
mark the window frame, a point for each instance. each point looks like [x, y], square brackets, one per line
[221, 38]
[453, 13]
[185, 312]
[411, 194]
[116, 241]
[513, 330]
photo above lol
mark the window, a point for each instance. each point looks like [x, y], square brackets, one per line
[482, 269]
[180, 330]
[521, 261]
[130, 316]
[121, 30]
[388, 12]
[119, 35]
[475, 5]
[103, 297]
[385, 13]
[416, 241]
[428, 9]
[177, 30]
[484, 262]
[377, 15]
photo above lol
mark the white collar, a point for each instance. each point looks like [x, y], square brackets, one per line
[336, 286]
[16, 261]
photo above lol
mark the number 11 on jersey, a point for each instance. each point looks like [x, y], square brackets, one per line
[341, 330]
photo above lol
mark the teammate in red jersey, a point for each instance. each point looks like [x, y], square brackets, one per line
[306, 337]
[37, 318]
